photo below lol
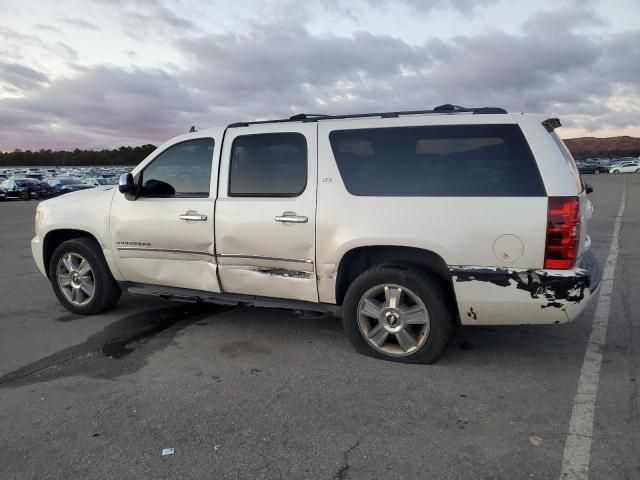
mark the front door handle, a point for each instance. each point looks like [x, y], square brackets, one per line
[291, 218]
[192, 216]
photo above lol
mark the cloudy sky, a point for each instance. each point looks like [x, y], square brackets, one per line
[105, 73]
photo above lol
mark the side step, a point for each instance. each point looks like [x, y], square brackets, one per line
[233, 299]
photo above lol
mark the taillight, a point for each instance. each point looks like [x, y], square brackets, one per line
[563, 232]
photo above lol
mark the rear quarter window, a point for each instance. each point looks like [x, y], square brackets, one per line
[449, 160]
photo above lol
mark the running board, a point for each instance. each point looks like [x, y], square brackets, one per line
[232, 299]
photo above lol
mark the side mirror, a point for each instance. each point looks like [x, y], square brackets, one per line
[125, 184]
[588, 188]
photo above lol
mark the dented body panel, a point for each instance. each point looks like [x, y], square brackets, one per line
[151, 244]
[514, 296]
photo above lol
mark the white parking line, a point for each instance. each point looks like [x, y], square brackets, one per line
[577, 449]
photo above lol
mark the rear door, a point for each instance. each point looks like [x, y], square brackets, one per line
[265, 212]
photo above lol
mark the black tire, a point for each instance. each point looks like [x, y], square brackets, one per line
[430, 291]
[106, 289]
[25, 195]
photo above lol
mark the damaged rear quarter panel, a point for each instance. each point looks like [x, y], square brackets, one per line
[511, 296]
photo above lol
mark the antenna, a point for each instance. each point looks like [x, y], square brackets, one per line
[192, 129]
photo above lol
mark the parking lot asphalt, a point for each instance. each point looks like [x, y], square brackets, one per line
[256, 393]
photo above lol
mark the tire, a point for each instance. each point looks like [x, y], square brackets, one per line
[25, 195]
[429, 339]
[106, 291]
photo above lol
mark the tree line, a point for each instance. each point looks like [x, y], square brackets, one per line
[579, 147]
[77, 157]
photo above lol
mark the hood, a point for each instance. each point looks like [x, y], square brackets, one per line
[85, 195]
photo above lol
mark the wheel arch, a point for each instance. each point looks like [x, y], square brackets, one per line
[359, 259]
[54, 238]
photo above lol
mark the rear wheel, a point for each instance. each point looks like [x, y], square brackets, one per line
[81, 278]
[398, 315]
[25, 195]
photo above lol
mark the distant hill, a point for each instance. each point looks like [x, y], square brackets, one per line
[587, 147]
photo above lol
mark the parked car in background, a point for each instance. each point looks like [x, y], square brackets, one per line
[66, 185]
[100, 182]
[3, 194]
[592, 166]
[26, 188]
[632, 166]
[586, 167]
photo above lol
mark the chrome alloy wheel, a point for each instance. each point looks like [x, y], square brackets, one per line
[75, 279]
[393, 320]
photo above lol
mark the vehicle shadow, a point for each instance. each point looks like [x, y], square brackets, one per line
[103, 355]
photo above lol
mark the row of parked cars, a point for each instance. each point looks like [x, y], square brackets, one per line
[27, 184]
[609, 165]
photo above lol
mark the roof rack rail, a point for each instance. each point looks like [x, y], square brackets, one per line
[309, 117]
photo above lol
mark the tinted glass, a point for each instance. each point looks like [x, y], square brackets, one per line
[25, 182]
[183, 170]
[268, 165]
[451, 161]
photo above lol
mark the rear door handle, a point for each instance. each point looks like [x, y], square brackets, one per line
[291, 218]
[193, 217]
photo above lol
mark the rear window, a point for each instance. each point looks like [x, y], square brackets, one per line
[443, 161]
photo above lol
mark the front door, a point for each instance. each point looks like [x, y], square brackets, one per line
[165, 236]
[265, 213]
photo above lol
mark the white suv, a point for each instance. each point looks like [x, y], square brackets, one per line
[403, 223]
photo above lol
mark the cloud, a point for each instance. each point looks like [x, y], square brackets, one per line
[81, 23]
[20, 77]
[278, 68]
[466, 7]
[154, 19]
[106, 105]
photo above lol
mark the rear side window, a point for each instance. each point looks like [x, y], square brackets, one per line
[268, 165]
[442, 161]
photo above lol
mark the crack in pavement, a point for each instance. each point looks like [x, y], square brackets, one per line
[343, 473]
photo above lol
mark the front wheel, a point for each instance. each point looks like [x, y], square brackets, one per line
[81, 278]
[397, 314]
[25, 195]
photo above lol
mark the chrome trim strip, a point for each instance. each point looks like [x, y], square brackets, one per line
[167, 250]
[261, 257]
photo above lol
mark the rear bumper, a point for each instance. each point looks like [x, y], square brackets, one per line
[511, 296]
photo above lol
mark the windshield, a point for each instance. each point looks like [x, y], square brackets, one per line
[25, 182]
